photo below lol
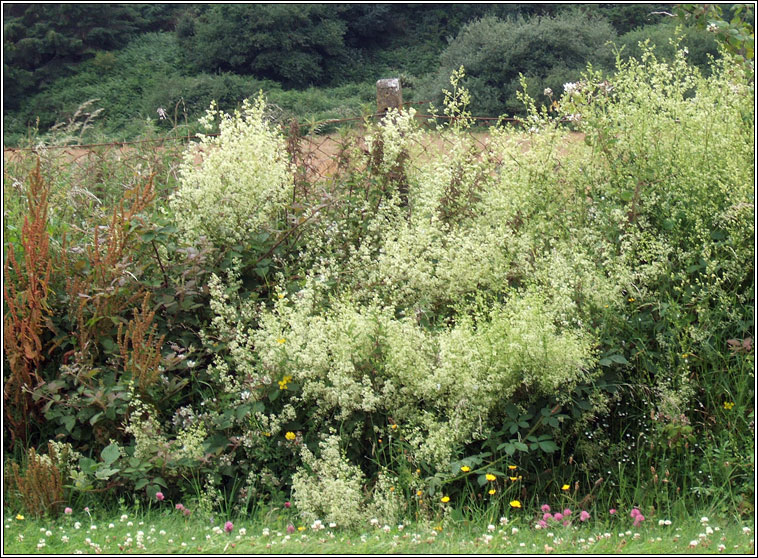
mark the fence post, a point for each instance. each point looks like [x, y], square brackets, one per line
[389, 94]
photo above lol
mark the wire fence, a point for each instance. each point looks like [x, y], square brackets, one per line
[317, 150]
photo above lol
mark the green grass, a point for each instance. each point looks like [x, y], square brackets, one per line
[167, 531]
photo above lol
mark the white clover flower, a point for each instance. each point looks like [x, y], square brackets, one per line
[386, 528]
[693, 542]
[77, 525]
[490, 528]
[124, 517]
[712, 27]
[703, 519]
[332, 524]
[242, 531]
[548, 92]
[503, 521]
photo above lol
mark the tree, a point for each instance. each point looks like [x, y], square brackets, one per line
[285, 42]
[547, 50]
[44, 41]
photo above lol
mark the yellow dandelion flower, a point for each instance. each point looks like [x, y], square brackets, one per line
[492, 491]
[445, 499]
[515, 504]
[290, 436]
[490, 477]
[20, 517]
[301, 528]
[418, 493]
[512, 467]
[565, 487]
[465, 468]
[513, 478]
[393, 426]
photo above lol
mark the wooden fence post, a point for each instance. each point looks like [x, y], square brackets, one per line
[389, 94]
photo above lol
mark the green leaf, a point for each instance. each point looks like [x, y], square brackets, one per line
[159, 480]
[105, 473]
[619, 359]
[68, 422]
[521, 446]
[548, 446]
[141, 483]
[110, 454]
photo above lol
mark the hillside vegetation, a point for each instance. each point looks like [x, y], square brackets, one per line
[313, 62]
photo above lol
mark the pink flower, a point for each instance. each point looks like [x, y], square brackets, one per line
[86, 509]
[566, 523]
[584, 516]
[68, 511]
[545, 508]
[290, 527]
[612, 511]
[287, 504]
[566, 512]
[159, 496]
[639, 518]
[547, 516]
[558, 516]
[186, 512]
[228, 526]
[634, 513]
[541, 524]
[180, 507]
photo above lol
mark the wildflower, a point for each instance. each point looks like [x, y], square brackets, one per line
[418, 493]
[565, 487]
[541, 524]
[693, 543]
[290, 436]
[186, 512]
[465, 468]
[558, 516]
[68, 511]
[639, 518]
[612, 511]
[584, 516]
[746, 530]
[566, 512]
[546, 516]
[728, 405]
[634, 513]
[180, 507]
[512, 467]
[515, 504]
[490, 528]
[513, 479]
[159, 496]
[228, 526]
[445, 499]
[394, 427]
[490, 477]
[287, 504]
[548, 92]
[124, 517]
[281, 296]
[284, 381]
[281, 340]
[20, 517]
[703, 520]
[290, 528]
[492, 491]
[77, 525]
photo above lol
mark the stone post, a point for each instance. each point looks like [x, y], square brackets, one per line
[388, 95]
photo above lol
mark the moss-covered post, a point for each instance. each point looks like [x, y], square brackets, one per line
[388, 95]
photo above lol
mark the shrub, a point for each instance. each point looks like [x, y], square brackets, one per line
[548, 51]
[240, 186]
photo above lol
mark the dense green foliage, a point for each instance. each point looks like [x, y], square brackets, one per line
[466, 325]
[548, 51]
[313, 61]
